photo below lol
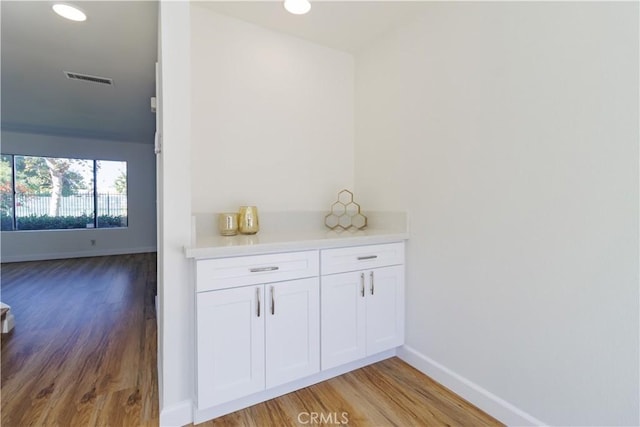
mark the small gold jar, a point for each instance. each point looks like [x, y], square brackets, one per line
[248, 220]
[228, 223]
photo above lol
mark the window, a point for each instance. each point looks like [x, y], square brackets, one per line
[50, 193]
[6, 192]
[111, 187]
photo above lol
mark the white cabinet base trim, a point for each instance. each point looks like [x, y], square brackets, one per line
[483, 399]
[200, 416]
[176, 415]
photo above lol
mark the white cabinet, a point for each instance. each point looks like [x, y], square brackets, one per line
[362, 311]
[292, 330]
[266, 324]
[222, 273]
[230, 344]
[385, 309]
[257, 336]
[343, 319]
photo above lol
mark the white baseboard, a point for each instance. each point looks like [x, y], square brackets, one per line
[176, 415]
[82, 254]
[483, 399]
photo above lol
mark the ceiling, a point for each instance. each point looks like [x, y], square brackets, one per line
[119, 41]
[342, 25]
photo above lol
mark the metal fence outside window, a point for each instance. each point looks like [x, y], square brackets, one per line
[74, 205]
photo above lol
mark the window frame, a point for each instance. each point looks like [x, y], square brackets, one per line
[94, 191]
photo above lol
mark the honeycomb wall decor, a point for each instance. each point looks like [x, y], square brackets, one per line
[345, 213]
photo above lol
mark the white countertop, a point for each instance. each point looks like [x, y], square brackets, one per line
[265, 242]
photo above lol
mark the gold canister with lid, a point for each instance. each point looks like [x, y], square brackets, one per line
[248, 220]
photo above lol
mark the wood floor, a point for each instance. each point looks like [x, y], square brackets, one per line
[388, 393]
[83, 353]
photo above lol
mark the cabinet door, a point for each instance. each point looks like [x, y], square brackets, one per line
[343, 318]
[292, 330]
[385, 308]
[230, 344]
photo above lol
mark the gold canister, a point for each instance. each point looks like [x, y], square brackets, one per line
[248, 220]
[228, 223]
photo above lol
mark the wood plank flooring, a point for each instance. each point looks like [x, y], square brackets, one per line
[83, 350]
[388, 393]
[83, 353]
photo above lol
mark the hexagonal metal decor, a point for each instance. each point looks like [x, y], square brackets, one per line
[359, 221]
[331, 221]
[345, 213]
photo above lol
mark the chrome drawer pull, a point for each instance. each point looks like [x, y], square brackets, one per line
[273, 303]
[371, 276]
[362, 258]
[258, 298]
[362, 284]
[261, 269]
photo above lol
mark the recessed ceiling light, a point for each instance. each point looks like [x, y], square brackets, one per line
[297, 7]
[69, 12]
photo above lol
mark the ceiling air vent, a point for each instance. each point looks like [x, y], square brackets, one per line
[87, 78]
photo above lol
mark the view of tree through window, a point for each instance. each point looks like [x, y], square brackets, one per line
[111, 184]
[43, 193]
[6, 192]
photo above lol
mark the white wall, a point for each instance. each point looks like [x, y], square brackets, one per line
[272, 118]
[139, 236]
[509, 131]
[175, 291]
[247, 116]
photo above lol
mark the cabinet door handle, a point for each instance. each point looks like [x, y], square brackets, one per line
[371, 277]
[362, 284]
[258, 299]
[261, 269]
[273, 303]
[362, 258]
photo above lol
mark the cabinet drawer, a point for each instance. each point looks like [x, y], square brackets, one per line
[361, 257]
[212, 274]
